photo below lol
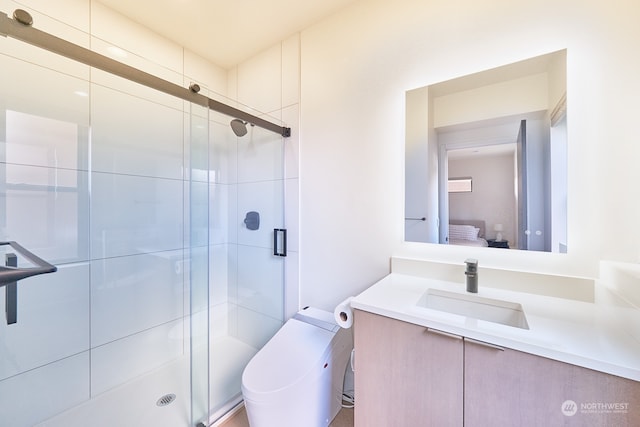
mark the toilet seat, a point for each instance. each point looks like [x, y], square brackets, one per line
[272, 370]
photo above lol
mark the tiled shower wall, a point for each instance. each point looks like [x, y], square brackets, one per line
[268, 82]
[106, 197]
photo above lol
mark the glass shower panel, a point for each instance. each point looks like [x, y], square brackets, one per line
[137, 241]
[198, 210]
[163, 226]
[247, 279]
[92, 179]
[44, 206]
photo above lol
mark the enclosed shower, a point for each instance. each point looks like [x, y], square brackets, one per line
[166, 230]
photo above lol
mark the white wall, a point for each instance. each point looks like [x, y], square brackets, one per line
[355, 69]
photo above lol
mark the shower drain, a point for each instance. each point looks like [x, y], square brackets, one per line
[166, 399]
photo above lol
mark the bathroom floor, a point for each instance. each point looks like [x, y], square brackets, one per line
[343, 419]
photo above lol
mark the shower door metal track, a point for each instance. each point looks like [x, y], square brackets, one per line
[20, 28]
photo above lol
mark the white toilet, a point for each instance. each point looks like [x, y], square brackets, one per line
[296, 379]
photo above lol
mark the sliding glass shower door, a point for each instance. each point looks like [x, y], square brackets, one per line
[168, 235]
[247, 251]
[91, 180]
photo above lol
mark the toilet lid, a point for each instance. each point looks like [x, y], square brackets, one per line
[296, 349]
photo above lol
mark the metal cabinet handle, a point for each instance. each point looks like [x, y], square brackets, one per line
[444, 334]
[484, 344]
[10, 274]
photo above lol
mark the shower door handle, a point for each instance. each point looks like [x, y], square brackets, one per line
[280, 249]
[10, 274]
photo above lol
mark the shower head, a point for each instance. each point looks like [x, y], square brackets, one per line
[239, 127]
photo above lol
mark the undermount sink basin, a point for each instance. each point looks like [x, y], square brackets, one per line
[481, 308]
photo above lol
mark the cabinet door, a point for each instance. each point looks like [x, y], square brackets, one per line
[405, 375]
[505, 387]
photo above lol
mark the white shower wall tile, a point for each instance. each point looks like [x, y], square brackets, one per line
[291, 71]
[126, 143]
[44, 391]
[266, 198]
[196, 143]
[254, 328]
[140, 62]
[219, 318]
[223, 150]
[199, 287]
[220, 208]
[52, 320]
[260, 80]
[198, 330]
[260, 156]
[232, 273]
[292, 280]
[109, 25]
[133, 293]
[22, 86]
[232, 319]
[51, 24]
[119, 361]
[260, 279]
[234, 217]
[42, 141]
[209, 76]
[218, 274]
[46, 211]
[70, 11]
[291, 213]
[291, 118]
[198, 216]
[132, 215]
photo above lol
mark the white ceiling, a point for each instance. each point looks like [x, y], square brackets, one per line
[226, 32]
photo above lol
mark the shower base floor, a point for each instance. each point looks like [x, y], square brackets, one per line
[134, 403]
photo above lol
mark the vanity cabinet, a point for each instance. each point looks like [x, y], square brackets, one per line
[505, 387]
[408, 375]
[405, 375]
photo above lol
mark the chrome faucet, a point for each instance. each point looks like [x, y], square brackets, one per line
[472, 275]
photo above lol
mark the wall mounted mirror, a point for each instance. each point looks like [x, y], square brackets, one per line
[486, 158]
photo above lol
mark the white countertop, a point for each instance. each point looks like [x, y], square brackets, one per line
[580, 333]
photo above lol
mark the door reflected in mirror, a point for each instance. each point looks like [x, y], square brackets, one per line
[501, 136]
